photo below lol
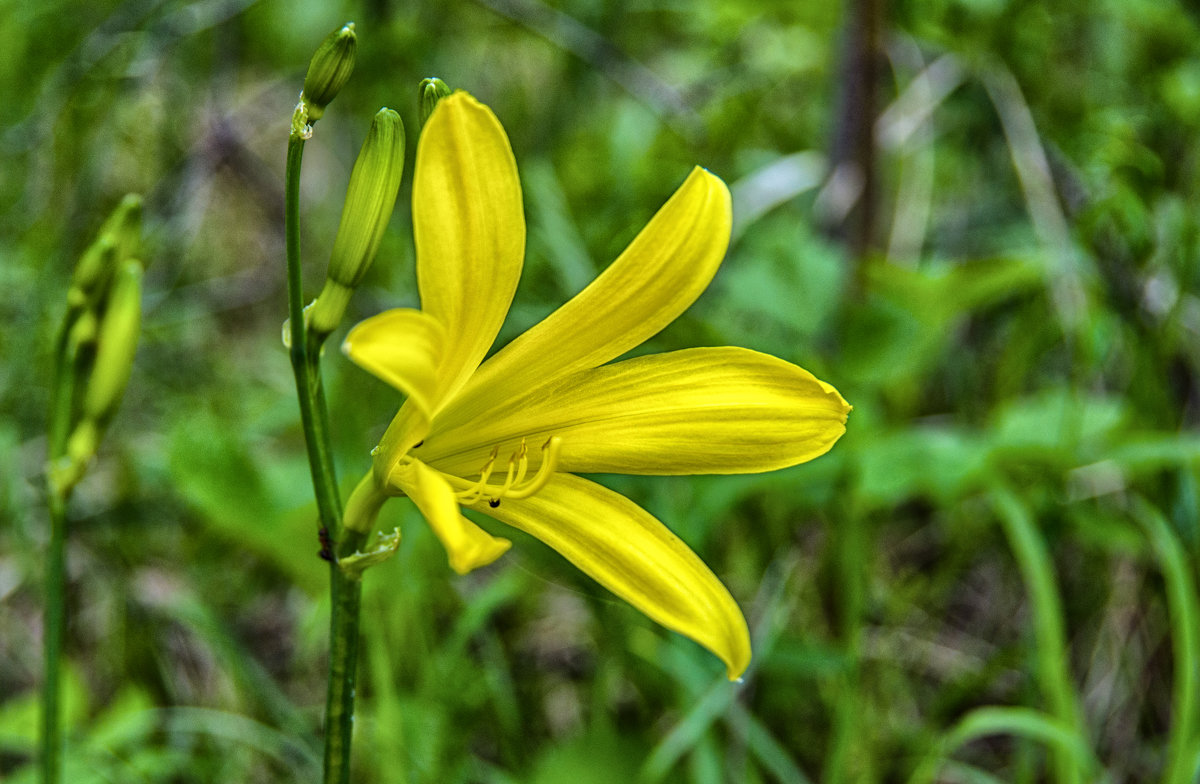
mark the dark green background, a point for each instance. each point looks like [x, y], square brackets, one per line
[1025, 325]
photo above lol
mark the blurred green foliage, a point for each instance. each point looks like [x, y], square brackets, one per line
[1021, 352]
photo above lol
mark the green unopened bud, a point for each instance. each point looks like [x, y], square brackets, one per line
[329, 70]
[116, 344]
[93, 271]
[117, 241]
[124, 225]
[370, 199]
[429, 92]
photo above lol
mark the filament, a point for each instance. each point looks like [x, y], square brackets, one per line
[517, 482]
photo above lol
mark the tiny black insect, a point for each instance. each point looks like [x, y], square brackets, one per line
[493, 502]
[326, 551]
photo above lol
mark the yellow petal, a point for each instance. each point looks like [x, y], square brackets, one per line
[403, 348]
[659, 275]
[696, 411]
[467, 545]
[628, 551]
[469, 229]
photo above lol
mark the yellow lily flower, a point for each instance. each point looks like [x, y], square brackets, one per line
[505, 437]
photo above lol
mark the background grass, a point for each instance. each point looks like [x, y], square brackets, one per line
[990, 578]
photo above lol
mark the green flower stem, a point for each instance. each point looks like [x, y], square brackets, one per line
[346, 600]
[55, 606]
[345, 592]
[52, 640]
[306, 360]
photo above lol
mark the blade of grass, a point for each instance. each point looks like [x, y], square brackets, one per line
[386, 707]
[688, 732]
[968, 774]
[1184, 611]
[1062, 738]
[764, 746]
[1033, 172]
[1050, 645]
[717, 700]
[848, 758]
[254, 683]
[906, 130]
[704, 762]
[245, 733]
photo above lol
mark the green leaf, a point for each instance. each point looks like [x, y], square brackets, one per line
[249, 500]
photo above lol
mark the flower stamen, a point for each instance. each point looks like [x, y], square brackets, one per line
[475, 491]
[517, 465]
[515, 485]
[549, 465]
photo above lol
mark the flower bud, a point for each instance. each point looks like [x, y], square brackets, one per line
[370, 199]
[117, 241]
[92, 271]
[116, 344]
[429, 92]
[329, 70]
[125, 227]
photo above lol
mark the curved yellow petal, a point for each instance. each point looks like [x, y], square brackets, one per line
[628, 551]
[656, 278]
[402, 347]
[467, 545]
[696, 411]
[469, 229]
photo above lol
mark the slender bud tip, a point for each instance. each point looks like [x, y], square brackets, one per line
[429, 92]
[125, 224]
